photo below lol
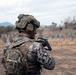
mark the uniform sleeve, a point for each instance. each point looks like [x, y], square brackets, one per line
[47, 61]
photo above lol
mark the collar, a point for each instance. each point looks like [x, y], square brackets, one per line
[24, 35]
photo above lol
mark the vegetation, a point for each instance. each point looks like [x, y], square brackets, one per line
[6, 29]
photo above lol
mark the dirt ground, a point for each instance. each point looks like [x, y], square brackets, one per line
[64, 53]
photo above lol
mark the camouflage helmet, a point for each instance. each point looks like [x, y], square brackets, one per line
[26, 23]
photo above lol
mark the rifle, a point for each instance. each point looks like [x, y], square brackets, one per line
[45, 43]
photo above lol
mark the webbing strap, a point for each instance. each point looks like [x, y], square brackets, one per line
[20, 42]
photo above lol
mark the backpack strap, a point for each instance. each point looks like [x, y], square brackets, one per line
[25, 47]
[20, 42]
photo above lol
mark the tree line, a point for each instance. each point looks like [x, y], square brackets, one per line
[5, 29]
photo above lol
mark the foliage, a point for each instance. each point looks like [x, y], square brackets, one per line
[6, 29]
[0, 36]
[70, 23]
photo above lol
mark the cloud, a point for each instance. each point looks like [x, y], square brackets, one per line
[45, 11]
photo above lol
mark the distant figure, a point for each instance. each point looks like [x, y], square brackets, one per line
[26, 56]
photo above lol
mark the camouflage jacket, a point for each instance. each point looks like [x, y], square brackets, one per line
[36, 56]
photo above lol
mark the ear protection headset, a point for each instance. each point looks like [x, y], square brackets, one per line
[30, 26]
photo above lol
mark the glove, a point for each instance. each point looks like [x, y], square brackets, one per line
[44, 43]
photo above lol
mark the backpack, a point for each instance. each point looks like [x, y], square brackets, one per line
[13, 62]
[14, 59]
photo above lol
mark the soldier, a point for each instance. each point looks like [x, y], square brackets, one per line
[34, 54]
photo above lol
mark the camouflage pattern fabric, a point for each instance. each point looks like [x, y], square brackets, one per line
[37, 56]
[34, 56]
[24, 19]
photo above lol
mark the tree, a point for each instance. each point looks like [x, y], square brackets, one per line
[4, 29]
[54, 25]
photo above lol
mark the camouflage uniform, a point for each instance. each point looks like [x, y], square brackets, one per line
[36, 57]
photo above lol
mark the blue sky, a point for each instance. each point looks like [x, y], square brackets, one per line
[46, 11]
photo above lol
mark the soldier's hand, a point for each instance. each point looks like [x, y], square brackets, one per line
[44, 43]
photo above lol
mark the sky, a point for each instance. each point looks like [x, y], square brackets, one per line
[46, 11]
